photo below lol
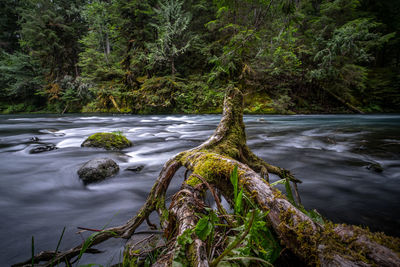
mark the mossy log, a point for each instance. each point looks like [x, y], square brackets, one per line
[210, 166]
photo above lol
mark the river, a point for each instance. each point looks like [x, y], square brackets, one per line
[41, 193]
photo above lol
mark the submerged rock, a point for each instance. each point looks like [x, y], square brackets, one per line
[109, 141]
[34, 139]
[375, 167]
[42, 148]
[135, 168]
[97, 170]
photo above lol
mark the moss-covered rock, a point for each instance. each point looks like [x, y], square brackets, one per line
[109, 141]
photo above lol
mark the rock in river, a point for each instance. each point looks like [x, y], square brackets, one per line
[135, 168]
[97, 170]
[42, 148]
[109, 141]
[375, 167]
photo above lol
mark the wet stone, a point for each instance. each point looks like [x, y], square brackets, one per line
[34, 139]
[97, 170]
[136, 168]
[42, 148]
[375, 167]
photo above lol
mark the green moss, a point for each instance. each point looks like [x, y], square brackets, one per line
[210, 166]
[303, 235]
[313, 243]
[160, 205]
[193, 181]
[388, 241]
[109, 141]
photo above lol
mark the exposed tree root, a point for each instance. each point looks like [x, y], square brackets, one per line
[210, 166]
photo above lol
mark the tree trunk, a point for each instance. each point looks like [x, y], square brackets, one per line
[108, 47]
[344, 102]
[173, 70]
[210, 166]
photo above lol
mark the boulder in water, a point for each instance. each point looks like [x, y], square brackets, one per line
[375, 167]
[42, 148]
[97, 170]
[135, 168]
[109, 141]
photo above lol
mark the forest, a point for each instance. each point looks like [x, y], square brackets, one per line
[179, 56]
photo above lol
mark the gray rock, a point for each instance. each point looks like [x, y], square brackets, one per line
[42, 148]
[135, 168]
[97, 170]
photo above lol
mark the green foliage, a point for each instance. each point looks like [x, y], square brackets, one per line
[205, 226]
[296, 55]
[198, 96]
[173, 39]
[238, 197]
[20, 76]
[169, 94]
[343, 47]
[253, 241]
[8, 25]
[183, 240]
[49, 32]
[102, 50]
[67, 94]
[58, 246]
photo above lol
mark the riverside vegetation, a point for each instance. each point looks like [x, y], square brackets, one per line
[177, 56]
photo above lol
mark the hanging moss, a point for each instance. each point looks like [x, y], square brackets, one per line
[109, 141]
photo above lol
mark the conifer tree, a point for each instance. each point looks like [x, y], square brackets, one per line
[173, 38]
[50, 31]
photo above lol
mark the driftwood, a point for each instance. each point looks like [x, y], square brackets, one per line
[210, 166]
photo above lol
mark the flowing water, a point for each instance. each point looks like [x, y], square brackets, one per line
[41, 193]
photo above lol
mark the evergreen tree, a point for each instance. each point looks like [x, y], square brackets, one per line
[9, 25]
[50, 31]
[101, 53]
[20, 77]
[173, 38]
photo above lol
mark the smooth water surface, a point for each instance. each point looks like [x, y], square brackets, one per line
[41, 193]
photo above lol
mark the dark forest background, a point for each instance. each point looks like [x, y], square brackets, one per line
[177, 56]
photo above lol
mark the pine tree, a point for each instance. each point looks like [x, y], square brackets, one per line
[173, 38]
[50, 31]
[99, 58]
[8, 25]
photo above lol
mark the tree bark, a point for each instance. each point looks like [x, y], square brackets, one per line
[211, 165]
